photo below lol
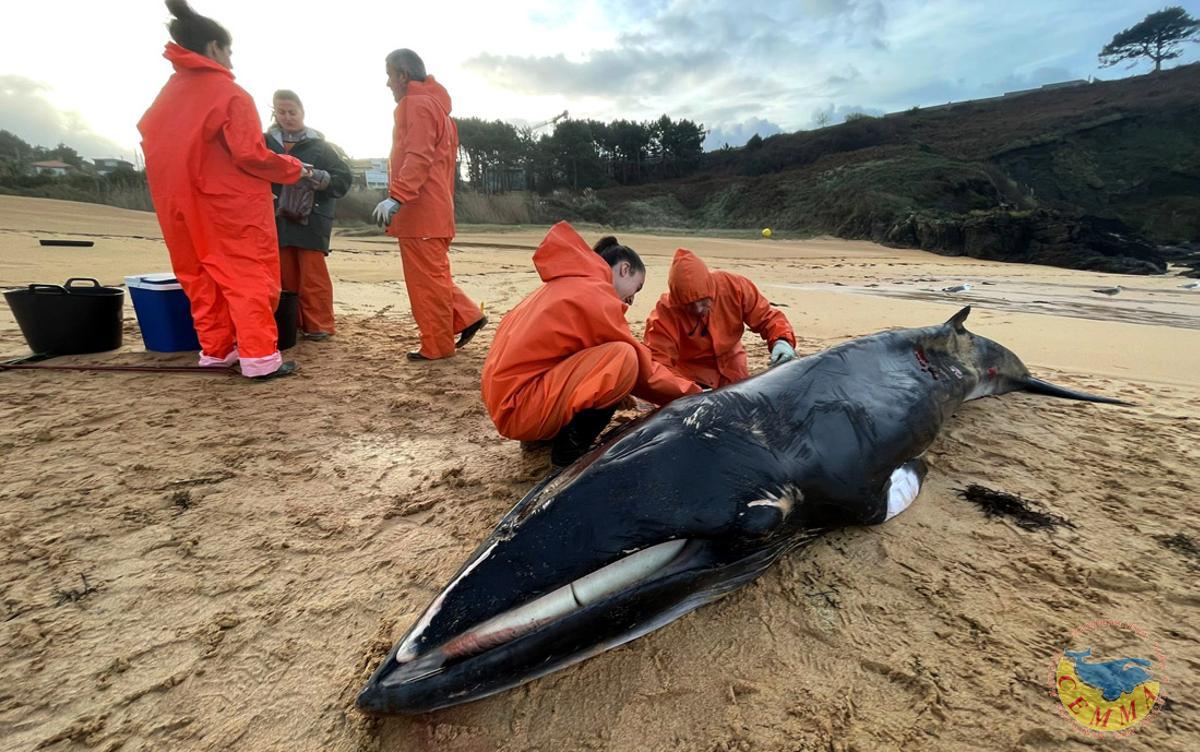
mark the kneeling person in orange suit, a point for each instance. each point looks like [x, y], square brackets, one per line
[564, 358]
[696, 329]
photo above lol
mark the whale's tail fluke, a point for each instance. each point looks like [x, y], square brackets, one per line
[1038, 386]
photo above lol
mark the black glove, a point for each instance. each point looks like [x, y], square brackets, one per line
[320, 179]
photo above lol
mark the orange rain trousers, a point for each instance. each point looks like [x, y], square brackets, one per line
[231, 276]
[303, 271]
[440, 308]
[599, 376]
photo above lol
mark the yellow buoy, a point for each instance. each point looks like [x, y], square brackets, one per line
[766, 233]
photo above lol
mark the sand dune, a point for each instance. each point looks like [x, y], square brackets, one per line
[250, 550]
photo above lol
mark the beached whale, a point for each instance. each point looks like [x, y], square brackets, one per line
[691, 503]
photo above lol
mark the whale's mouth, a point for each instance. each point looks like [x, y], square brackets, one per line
[622, 575]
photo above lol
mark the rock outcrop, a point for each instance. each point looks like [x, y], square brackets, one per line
[1032, 237]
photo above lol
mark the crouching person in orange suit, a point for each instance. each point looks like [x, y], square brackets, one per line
[564, 358]
[210, 179]
[419, 209]
[696, 329]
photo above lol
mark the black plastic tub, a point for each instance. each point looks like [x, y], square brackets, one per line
[69, 319]
[67, 243]
[287, 319]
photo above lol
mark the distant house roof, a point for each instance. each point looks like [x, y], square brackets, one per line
[52, 163]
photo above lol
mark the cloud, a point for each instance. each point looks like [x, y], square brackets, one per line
[737, 134]
[25, 111]
[755, 68]
[603, 73]
[705, 45]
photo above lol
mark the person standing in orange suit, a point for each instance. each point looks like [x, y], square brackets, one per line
[696, 328]
[564, 358]
[210, 178]
[419, 209]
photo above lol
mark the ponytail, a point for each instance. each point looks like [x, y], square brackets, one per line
[193, 31]
[613, 253]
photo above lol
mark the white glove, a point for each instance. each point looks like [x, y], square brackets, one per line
[782, 352]
[385, 210]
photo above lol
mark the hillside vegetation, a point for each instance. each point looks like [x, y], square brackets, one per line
[1096, 176]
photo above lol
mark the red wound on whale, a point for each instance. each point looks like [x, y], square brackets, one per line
[924, 361]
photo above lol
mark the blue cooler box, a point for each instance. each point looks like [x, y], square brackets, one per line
[163, 312]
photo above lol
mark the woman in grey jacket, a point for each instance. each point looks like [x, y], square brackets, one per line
[304, 213]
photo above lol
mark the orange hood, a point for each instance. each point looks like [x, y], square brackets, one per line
[184, 59]
[432, 89]
[564, 254]
[689, 279]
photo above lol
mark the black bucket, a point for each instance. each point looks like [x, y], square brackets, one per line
[287, 319]
[68, 319]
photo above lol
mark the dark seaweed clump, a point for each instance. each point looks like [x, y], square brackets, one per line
[1019, 510]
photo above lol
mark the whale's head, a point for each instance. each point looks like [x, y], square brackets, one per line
[588, 560]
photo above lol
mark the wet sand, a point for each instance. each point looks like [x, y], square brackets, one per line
[251, 550]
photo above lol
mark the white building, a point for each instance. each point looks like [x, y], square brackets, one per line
[370, 173]
[108, 166]
[51, 167]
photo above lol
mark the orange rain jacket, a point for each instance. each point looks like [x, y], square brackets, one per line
[210, 178]
[577, 308]
[423, 163]
[710, 351]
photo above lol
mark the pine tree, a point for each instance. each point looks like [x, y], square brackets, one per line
[1157, 37]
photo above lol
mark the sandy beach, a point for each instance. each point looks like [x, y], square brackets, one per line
[252, 550]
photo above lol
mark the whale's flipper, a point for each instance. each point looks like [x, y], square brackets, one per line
[902, 488]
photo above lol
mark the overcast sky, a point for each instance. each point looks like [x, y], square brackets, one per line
[83, 72]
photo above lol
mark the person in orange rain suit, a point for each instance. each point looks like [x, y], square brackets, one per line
[419, 209]
[210, 178]
[564, 358]
[696, 329]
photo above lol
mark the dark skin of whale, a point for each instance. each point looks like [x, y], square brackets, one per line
[743, 474]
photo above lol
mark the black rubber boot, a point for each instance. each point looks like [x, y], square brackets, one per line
[576, 438]
[287, 368]
[466, 335]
